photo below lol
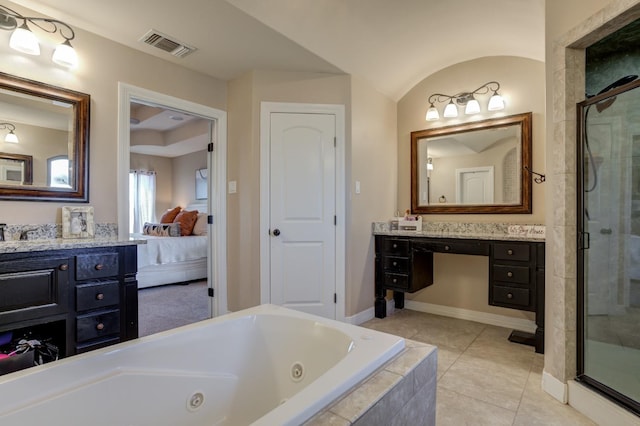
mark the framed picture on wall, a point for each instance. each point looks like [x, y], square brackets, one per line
[77, 222]
[201, 184]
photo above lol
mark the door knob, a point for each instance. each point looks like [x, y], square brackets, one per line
[276, 232]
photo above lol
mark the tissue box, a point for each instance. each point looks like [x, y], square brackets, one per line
[410, 225]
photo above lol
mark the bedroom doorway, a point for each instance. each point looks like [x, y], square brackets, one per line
[184, 145]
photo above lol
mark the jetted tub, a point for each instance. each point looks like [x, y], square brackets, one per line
[263, 366]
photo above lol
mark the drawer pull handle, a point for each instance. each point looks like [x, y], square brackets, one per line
[509, 252]
[100, 326]
[510, 274]
[99, 267]
[509, 295]
[63, 267]
[99, 296]
[447, 248]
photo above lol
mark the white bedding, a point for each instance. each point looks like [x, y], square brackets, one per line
[163, 250]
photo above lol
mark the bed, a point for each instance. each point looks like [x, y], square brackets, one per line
[169, 260]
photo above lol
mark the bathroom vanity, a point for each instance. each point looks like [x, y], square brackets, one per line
[404, 264]
[80, 294]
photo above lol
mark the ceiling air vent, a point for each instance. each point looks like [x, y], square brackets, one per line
[166, 43]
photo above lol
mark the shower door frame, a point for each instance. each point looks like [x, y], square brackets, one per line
[582, 244]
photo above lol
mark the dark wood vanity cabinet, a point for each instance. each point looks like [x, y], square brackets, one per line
[83, 299]
[516, 273]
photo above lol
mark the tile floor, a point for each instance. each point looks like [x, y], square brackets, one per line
[483, 379]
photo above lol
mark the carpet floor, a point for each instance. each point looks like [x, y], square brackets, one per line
[169, 306]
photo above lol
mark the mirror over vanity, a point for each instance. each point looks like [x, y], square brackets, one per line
[476, 167]
[46, 158]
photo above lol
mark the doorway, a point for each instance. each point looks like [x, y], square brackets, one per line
[302, 218]
[216, 179]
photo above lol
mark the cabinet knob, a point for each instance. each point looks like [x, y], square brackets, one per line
[509, 295]
[395, 263]
[63, 267]
[99, 296]
[509, 252]
[395, 280]
[510, 274]
[447, 248]
[100, 326]
[99, 267]
[395, 245]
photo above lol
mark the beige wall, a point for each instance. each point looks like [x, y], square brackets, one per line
[373, 163]
[164, 178]
[103, 64]
[184, 178]
[522, 86]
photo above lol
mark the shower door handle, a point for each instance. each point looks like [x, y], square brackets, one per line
[585, 242]
[606, 231]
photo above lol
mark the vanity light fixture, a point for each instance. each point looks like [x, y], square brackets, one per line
[11, 137]
[466, 99]
[429, 163]
[25, 41]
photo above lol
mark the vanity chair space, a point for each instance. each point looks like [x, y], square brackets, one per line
[479, 167]
[82, 296]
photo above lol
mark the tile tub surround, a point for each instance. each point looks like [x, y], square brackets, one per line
[485, 231]
[402, 392]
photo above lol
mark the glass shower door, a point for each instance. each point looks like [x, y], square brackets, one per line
[609, 247]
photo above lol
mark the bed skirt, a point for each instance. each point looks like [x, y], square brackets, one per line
[169, 273]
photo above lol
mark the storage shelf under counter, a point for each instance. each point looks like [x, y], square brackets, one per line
[404, 264]
[80, 293]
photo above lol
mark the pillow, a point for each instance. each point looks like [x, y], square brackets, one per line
[186, 220]
[170, 215]
[200, 228]
[161, 229]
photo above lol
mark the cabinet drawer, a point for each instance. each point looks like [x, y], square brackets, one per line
[100, 295]
[395, 246]
[503, 295]
[90, 266]
[459, 247]
[511, 274]
[519, 252]
[396, 264]
[397, 281]
[97, 325]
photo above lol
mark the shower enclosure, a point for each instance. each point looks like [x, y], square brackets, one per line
[609, 242]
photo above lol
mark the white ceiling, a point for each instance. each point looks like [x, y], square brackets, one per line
[391, 44]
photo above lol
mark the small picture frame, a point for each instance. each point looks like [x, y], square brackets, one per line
[77, 222]
[201, 184]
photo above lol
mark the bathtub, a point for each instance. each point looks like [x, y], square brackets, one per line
[262, 366]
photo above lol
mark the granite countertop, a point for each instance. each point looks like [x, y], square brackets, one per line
[477, 231]
[21, 246]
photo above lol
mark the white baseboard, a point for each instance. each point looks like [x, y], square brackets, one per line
[554, 387]
[361, 317]
[597, 408]
[466, 314]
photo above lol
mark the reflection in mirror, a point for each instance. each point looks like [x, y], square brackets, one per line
[52, 128]
[475, 167]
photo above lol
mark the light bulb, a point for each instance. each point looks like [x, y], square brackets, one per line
[432, 113]
[23, 40]
[496, 103]
[65, 55]
[11, 137]
[473, 107]
[451, 110]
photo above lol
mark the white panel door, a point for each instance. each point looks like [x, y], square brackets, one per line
[302, 211]
[474, 185]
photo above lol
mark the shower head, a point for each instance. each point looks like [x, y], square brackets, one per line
[606, 103]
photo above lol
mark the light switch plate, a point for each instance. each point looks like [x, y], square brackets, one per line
[233, 185]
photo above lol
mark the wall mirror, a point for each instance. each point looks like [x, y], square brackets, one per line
[47, 156]
[477, 167]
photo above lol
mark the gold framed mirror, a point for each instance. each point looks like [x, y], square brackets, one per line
[50, 126]
[477, 167]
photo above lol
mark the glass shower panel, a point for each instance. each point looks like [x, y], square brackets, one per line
[611, 237]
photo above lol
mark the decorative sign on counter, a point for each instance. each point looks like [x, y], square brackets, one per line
[529, 231]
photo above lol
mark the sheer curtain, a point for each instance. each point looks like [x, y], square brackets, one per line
[142, 199]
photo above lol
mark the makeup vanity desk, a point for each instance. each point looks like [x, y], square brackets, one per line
[404, 264]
